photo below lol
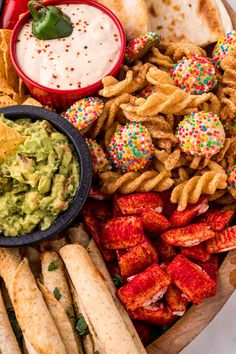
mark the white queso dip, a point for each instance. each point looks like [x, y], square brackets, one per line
[76, 61]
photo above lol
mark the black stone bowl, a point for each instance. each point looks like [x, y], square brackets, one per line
[82, 152]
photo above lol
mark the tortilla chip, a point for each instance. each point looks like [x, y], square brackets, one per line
[10, 73]
[62, 321]
[10, 139]
[30, 101]
[32, 313]
[6, 101]
[8, 342]
[21, 88]
[132, 14]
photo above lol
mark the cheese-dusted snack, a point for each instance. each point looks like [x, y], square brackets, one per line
[132, 14]
[97, 302]
[32, 313]
[174, 20]
[8, 342]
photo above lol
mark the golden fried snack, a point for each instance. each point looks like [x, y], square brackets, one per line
[191, 190]
[197, 162]
[107, 118]
[135, 182]
[168, 161]
[167, 99]
[177, 51]
[113, 87]
[227, 88]
[183, 175]
[162, 61]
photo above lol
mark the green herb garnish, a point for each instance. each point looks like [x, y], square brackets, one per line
[52, 266]
[97, 352]
[57, 293]
[81, 326]
[15, 325]
[117, 280]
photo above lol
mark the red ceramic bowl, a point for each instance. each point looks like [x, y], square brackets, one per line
[62, 99]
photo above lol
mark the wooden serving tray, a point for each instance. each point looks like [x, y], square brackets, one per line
[198, 316]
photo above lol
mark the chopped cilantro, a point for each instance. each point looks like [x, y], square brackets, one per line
[97, 352]
[15, 325]
[57, 293]
[117, 280]
[52, 266]
[81, 326]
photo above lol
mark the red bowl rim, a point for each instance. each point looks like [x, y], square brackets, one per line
[83, 90]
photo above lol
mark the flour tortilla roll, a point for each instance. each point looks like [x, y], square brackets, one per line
[8, 342]
[33, 256]
[99, 263]
[54, 244]
[174, 20]
[62, 321]
[87, 341]
[96, 300]
[56, 279]
[10, 259]
[32, 313]
[79, 235]
[132, 14]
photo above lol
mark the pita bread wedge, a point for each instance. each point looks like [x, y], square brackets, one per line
[32, 313]
[97, 302]
[62, 321]
[132, 14]
[200, 22]
[8, 342]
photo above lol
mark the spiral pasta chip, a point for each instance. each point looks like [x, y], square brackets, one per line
[178, 50]
[135, 182]
[191, 190]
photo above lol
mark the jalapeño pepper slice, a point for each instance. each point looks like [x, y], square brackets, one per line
[49, 22]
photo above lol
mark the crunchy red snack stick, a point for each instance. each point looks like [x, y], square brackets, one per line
[165, 252]
[154, 222]
[195, 283]
[176, 301]
[188, 236]
[136, 203]
[95, 193]
[168, 207]
[101, 209]
[122, 232]
[217, 219]
[224, 241]
[157, 314]
[144, 288]
[210, 267]
[116, 210]
[182, 218]
[136, 259]
[93, 226]
[196, 252]
[144, 331]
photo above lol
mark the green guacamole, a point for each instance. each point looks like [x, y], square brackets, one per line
[39, 181]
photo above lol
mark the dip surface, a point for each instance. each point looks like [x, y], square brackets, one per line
[39, 181]
[76, 61]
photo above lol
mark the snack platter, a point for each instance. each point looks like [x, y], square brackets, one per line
[119, 132]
